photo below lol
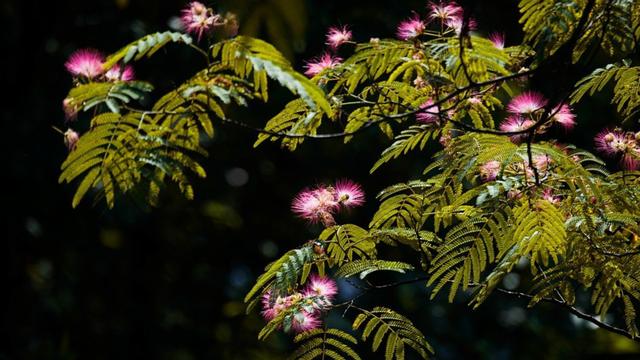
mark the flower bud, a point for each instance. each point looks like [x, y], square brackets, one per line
[71, 139]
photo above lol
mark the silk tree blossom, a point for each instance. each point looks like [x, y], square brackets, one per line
[489, 171]
[444, 10]
[515, 123]
[411, 28]
[430, 113]
[349, 193]
[319, 64]
[198, 19]
[617, 143]
[527, 103]
[304, 321]
[273, 307]
[497, 39]
[86, 63]
[455, 23]
[116, 74]
[338, 36]
[321, 286]
[563, 116]
[316, 205]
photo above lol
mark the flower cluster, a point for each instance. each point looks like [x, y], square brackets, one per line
[199, 19]
[301, 311]
[336, 36]
[88, 64]
[449, 14]
[624, 145]
[490, 170]
[321, 63]
[321, 203]
[527, 109]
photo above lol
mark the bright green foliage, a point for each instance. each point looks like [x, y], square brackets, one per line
[113, 95]
[626, 92]
[366, 267]
[346, 242]
[282, 275]
[123, 152]
[382, 323]
[139, 149]
[248, 56]
[325, 344]
[146, 46]
[487, 200]
[549, 24]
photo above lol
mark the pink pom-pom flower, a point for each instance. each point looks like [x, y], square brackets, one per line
[444, 10]
[198, 19]
[516, 123]
[319, 64]
[349, 193]
[321, 286]
[338, 36]
[304, 321]
[116, 74]
[563, 116]
[86, 63]
[455, 23]
[497, 39]
[618, 143]
[412, 28]
[527, 103]
[316, 205]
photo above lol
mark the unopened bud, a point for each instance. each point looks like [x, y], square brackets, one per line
[71, 139]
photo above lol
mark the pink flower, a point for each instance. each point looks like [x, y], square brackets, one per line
[622, 144]
[444, 10]
[272, 308]
[319, 64]
[527, 103]
[497, 39]
[412, 28]
[115, 74]
[86, 63]
[349, 193]
[321, 286]
[71, 139]
[611, 142]
[316, 205]
[516, 123]
[338, 36]
[564, 116]
[489, 171]
[304, 321]
[199, 19]
[430, 114]
[455, 23]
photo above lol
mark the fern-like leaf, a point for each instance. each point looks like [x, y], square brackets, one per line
[381, 323]
[329, 343]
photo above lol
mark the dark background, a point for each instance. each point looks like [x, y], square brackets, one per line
[93, 283]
